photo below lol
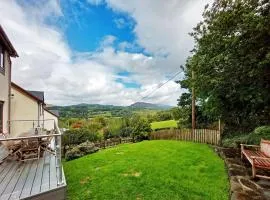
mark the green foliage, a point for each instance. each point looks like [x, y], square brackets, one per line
[140, 128]
[164, 125]
[254, 137]
[81, 150]
[73, 154]
[231, 64]
[235, 140]
[126, 131]
[149, 170]
[176, 113]
[77, 136]
[164, 115]
[259, 133]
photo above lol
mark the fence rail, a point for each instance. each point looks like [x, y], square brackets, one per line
[207, 136]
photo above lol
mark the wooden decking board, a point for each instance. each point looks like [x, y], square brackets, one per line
[3, 152]
[45, 180]
[38, 177]
[5, 172]
[8, 177]
[29, 181]
[3, 166]
[13, 182]
[53, 180]
[20, 184]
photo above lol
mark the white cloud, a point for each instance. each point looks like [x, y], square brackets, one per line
[47, 63]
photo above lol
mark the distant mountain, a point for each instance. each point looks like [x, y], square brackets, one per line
[84, 110]
[145, 105]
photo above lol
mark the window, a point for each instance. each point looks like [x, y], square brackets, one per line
[2, 67]
[1, 117]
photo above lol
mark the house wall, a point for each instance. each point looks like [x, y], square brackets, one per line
[49, 120]
[23, 107]
[4, 91]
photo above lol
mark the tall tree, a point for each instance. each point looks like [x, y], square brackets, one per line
[231, 60]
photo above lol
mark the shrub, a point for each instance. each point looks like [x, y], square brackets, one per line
[126, 132]
[262, 132]
[235, 141]
[81, 150]
[88, 148]
[78, 136]
[73, 154]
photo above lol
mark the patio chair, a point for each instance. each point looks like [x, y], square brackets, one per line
[45, 144]
[30, 149]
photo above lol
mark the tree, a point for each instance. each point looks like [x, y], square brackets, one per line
[231, 60]
[140, 128]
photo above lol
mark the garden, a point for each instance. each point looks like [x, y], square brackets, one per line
[149, 170]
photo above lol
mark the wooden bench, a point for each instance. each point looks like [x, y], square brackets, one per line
[258, 156]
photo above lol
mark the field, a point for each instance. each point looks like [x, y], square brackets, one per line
[149, 170]
[164, 124]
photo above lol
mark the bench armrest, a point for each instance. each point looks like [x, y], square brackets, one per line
[247, 145]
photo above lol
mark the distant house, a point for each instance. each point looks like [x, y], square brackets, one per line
[6, 51]
[29, 112]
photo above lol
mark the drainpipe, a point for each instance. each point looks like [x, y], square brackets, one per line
[9, 92]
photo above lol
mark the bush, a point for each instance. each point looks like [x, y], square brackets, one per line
[78, 136]
[88, 148]
[262, 132]
[73, 154]
[235, 141]
[81, 150]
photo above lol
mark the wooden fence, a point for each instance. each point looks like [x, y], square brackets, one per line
[199, 135]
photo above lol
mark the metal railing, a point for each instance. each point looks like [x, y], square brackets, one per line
[58, 137]
[26, 129]
[20, 127]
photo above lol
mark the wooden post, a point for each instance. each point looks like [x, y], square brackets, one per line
[219, 131]
[193, 106]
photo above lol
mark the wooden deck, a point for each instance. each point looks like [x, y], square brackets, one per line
[33, 180]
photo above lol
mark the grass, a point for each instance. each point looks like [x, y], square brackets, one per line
[149, 170]
[164, 124]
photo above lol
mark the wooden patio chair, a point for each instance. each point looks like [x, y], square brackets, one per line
[30, 149]
[45, 144]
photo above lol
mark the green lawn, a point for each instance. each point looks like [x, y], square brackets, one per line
[149, 170]
[164, 124]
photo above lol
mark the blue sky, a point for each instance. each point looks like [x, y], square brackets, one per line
[100, 51]
[90, 25]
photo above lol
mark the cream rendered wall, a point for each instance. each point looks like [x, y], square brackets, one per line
[49, 120]
[23, 107]
[4, 91]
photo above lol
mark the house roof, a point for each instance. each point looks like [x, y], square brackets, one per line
[53, 112]
[27, 93]
[6, 42]
[37, 94]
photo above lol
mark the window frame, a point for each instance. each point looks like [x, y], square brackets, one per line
[2, 59]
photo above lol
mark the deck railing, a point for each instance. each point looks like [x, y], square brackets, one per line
[25, 129]
[58, 149]
[21, 127]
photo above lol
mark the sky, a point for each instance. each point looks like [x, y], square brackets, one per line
[101, 51]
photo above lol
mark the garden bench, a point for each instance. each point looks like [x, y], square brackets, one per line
[258, 156]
